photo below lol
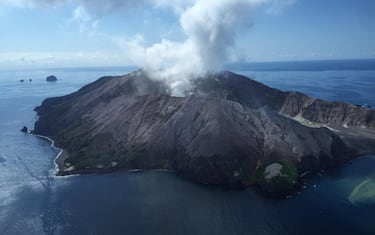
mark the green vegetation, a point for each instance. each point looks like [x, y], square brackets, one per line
[91, 162]
[277, 184]
[255, 177]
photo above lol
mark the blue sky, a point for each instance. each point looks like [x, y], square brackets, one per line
[83, 33]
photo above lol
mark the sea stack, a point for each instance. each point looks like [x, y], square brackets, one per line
[24, 129]
[51, 78]
[230, 130]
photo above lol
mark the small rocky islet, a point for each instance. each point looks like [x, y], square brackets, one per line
[228, 130]
[51, 78]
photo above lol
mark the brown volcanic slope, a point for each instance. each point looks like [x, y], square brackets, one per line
[229, 130]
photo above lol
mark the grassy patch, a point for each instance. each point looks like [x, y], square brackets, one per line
[281, 183]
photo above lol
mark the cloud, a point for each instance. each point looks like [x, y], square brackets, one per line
[278, 6]
[100, 7]
[80, 14]
[31, 3]
[59, 59]
[210, 29]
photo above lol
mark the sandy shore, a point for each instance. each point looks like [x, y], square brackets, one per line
[59, 162]
[60, 158]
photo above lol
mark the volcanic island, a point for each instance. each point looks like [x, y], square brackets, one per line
[227, 130]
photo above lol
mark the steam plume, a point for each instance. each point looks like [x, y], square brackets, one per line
[210, 27]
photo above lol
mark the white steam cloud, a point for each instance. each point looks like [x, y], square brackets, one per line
[210, 27]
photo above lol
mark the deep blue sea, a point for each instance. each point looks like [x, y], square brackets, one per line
[34, 201]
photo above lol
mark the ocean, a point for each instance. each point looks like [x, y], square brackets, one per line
[34, 201]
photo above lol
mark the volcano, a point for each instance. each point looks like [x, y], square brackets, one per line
[227, 130]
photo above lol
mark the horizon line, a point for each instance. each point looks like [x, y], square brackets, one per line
[29, 68]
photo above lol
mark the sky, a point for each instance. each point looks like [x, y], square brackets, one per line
[202, 33]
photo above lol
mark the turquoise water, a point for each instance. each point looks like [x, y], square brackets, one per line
[34, 201]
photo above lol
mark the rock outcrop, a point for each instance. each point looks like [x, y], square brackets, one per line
[51, 78]
[24, 129]
[229, 130]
